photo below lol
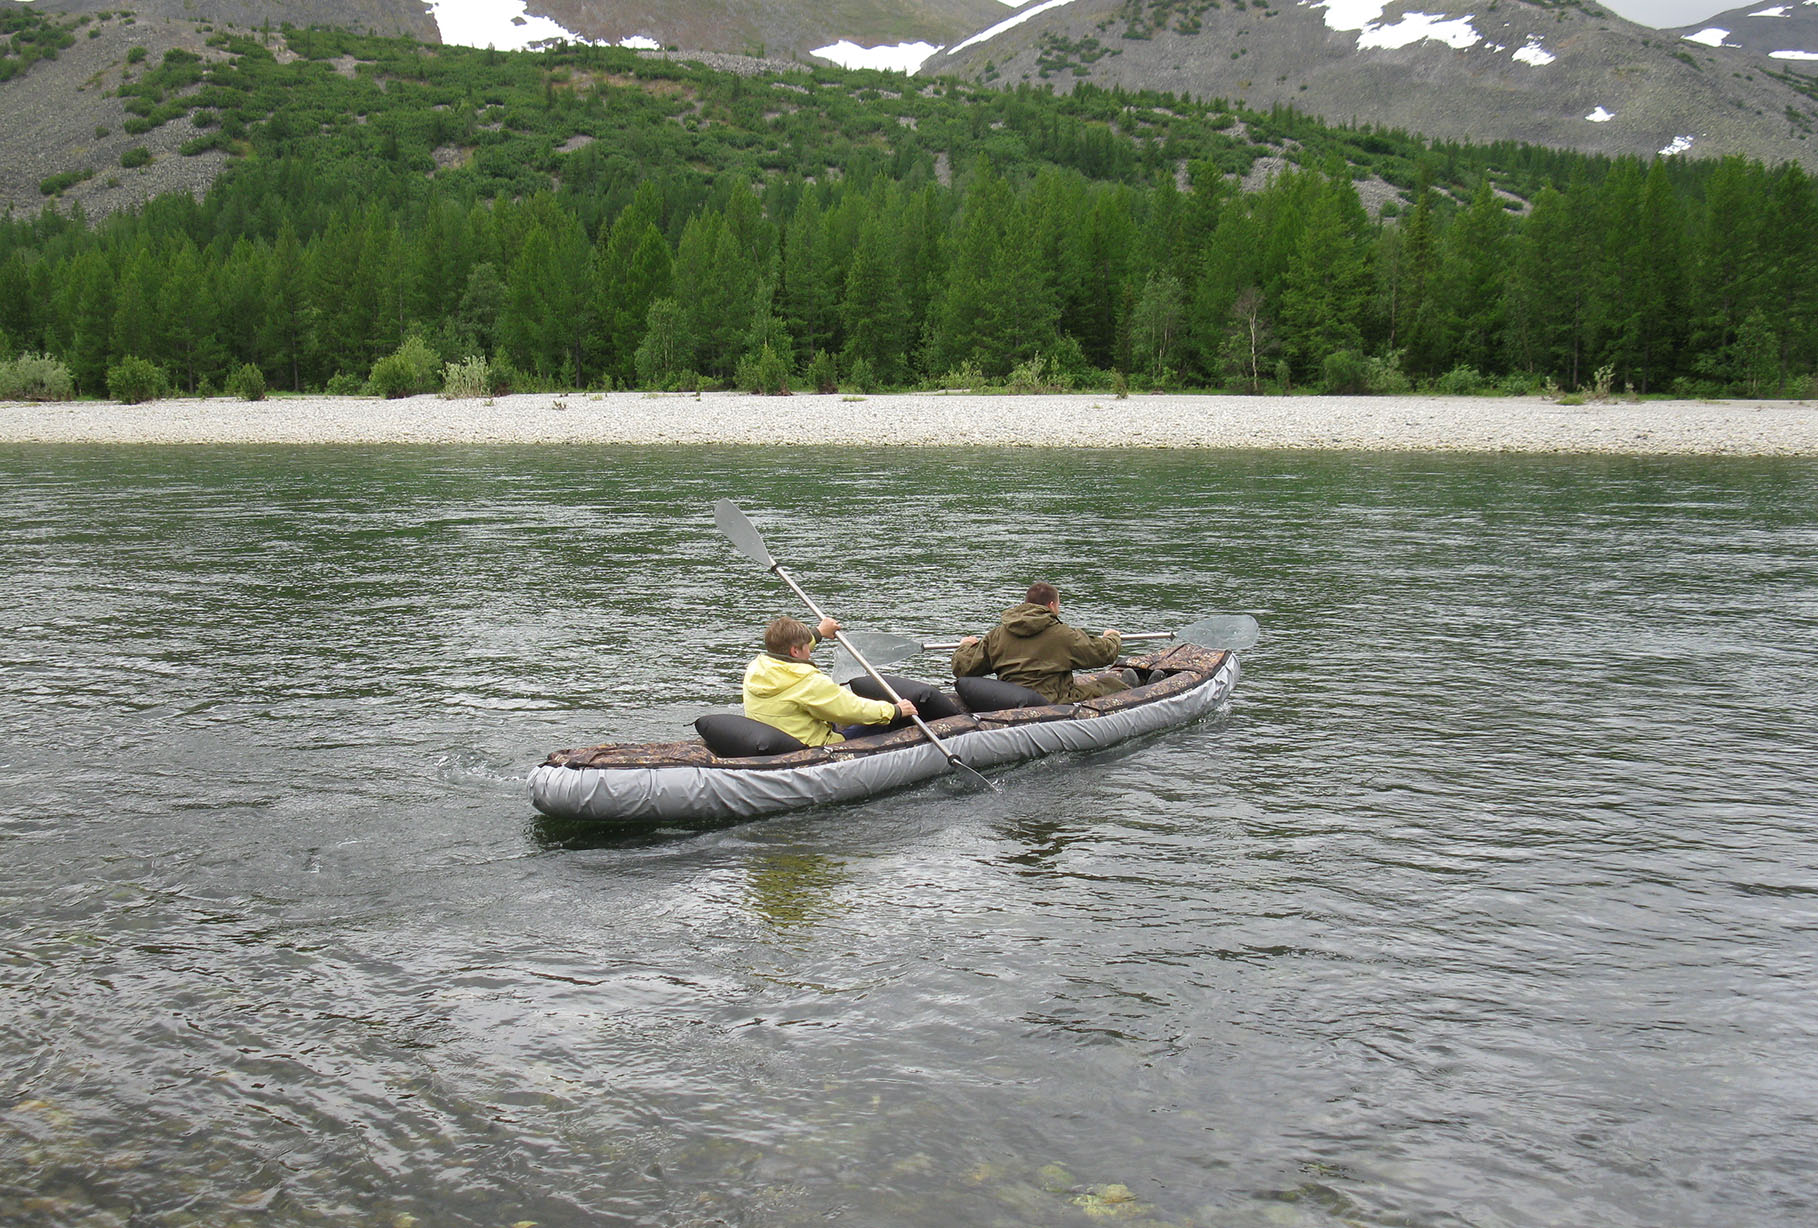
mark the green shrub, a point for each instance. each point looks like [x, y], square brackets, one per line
[408, 370]
[137, 156]
[1518, 384]
[247, 383]
[860, 377]
[1038, 374]
[1384, 377]
[35, 377]
[966, 375]
[765, 372]
[52, 185]
[469, 378]
[133, 379]
[1345, 373]
[135, 55]
[1068, 363]
[1686, 388]
[1460, 381]
[822, 376]
[505, 378]
[341, 384]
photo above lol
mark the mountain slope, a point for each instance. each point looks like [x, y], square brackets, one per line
[1565, 77]
[1785, 30]
[372, 16]
[1559, 75]
[770, 27]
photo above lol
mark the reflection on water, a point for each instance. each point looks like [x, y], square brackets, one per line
[1491, 900]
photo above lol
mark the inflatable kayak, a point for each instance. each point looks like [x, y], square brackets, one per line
[993, 724]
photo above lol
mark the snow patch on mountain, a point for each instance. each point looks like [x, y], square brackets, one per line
[1533, 53]
[1455, 32]
[900, 57]
[1009, 23]
[502, 24]
[1601, 116]
[1710, 36]
[1677, 145]
[1793, 55]
[507, 26]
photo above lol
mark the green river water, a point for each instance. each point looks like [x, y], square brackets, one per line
[1490, 900]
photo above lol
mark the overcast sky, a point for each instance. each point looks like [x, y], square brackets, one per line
[1664, 14]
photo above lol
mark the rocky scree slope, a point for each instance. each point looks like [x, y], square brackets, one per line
[1561, 76]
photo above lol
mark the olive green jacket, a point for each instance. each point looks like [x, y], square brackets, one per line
[1032, 647]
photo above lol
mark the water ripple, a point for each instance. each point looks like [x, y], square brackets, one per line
[1491, 899]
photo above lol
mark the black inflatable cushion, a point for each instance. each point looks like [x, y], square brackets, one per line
[929, 702]
[995, 695]
[732, 736]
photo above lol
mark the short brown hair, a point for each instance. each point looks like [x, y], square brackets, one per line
[1042, 594]
[786, 633]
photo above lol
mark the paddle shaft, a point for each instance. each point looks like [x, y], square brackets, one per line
[945, 646]
[860, 659]
[840, 638]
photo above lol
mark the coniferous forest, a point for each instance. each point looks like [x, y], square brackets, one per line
[399, 216]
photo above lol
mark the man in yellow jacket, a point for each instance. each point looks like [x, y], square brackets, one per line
[784, 689]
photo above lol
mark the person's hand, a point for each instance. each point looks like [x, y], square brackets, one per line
[968, 641]
[1111, 631]
[905, 707]
[828, 629]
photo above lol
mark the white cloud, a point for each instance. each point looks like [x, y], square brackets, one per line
[1793, 55]
[903, 57]
[495, 23]
[1601, 116]
[1710, 36]
[1533, 53]
[1008, 23]
[1678, 145]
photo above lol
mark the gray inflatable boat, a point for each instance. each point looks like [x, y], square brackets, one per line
[686, 782]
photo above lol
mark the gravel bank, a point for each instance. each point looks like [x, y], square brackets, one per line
[1441, 424]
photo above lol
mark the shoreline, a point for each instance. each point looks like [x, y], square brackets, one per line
[946, 419]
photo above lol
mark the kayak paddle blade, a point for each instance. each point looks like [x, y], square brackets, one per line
[882, 649]
[739, 531]
[1231, 632]
[844, 668]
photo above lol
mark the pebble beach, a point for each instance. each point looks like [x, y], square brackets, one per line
[1413, 424]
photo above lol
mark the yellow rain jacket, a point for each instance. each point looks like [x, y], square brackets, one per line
[804, 703]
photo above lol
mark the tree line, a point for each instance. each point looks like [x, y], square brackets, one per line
[651, 260]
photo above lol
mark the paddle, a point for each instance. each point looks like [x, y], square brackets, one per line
[738, 529]
[1230, 632]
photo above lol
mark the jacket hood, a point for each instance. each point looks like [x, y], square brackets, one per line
[1028, 619]
[768, 676]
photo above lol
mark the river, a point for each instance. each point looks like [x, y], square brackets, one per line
[1491, 899]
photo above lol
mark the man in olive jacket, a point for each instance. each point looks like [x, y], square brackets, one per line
[1032, 647]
